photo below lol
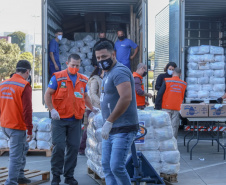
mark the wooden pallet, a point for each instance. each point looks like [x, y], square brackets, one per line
[28, 174]
[95, 177]
[170, 178]
[48, 152]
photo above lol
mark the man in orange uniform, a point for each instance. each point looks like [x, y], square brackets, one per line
[16, 118]
[66, 98]
[139, 86]
[170, 97]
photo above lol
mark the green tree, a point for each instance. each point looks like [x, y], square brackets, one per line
[27, 56]
[18, 37]
[151, 55]
[9, 55]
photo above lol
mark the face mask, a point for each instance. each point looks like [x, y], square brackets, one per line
[170, 72]
[29, 79]
[73, 70]
[121, 38]
[103, 39]
[59, 37]
[106, 64]
[144, 74]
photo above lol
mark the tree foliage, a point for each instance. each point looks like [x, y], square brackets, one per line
[151, 55]
[18, 37]
[9, 55]
[27, 56]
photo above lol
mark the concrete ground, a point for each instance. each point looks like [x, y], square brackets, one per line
[210, 170]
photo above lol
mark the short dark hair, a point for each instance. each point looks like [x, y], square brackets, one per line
[58, 30]
[22, 66]
[102, 32]
[74, 56]
[173, 64]
[104, 45]
[120, 29]
[177, 70]
[96, 71]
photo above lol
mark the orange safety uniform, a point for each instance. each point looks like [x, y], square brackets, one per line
[140, 99]
[174, 93]
[67, 100]
[11, 106]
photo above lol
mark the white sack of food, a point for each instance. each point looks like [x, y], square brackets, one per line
[208, 73]
[85, 49]
[89, 68]
[44, 145]
[193, 66]
[33, 135]
[217, 65]
[219, 73]
[3, 136]
[208, 58]
[150, 133]
[32, 144]
[44, 125]
[216, 50]
[144, 116]
[98, 135]
[168, 145]
[93, 156]
[203, 80]
[195, 73]
[72, 43]
[215, 95]
[163, 133]
[87, 39]
[194, 87]
[203, 94]
[74, 50]
[217, 81]
[152, 156]
[157, 166]
[82, 56]
[192, 94]
[64, 48]
[97, 169]
[79, 43]
[90, 55]
[43, 136]
[219, 58]
[63, 58]
[204, 66]
[81, 70]
[219, 87]
[195, 58]
[160, 119]
[91, 44]
[191, 80]
[86, 62]
[204, 49]
[3, 143]
[148, 145]
[68, 43]
[35, 121]
[98, 121]
[63, 66]
[193, 50]
[63, 41]
[170, 168]
[172, 157]
[207, 87]
[8, 142]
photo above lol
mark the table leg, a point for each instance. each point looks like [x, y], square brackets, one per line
[186, 136]
[196, 141]
[191, 137]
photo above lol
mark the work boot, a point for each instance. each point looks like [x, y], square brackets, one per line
[23, 180]
[55, 180]
[71, 181]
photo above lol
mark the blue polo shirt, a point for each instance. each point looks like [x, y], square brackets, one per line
[123, 50]
[53, 85]
[54, 47]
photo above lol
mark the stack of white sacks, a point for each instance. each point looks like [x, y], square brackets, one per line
[3, 140]
[159, 147]
[81, 47]
[206, 72]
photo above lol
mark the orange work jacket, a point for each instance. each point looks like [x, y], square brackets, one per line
[174, 93]
[140, 99]
[11, 106]
[67, 100]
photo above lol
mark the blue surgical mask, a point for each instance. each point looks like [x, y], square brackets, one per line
[59, 37]
[170, 72]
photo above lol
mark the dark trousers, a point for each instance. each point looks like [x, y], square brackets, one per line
[66, 140]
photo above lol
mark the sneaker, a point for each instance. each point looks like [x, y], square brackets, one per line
[55, 180]
[23, 180]
[71, 181]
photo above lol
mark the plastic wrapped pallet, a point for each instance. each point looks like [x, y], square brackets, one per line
[85, 49]
[97, 169]
[219, 73]
[43, 136]
[207, 87]
[193, 50]
[79, 43]
[168, 145]
[215, 95]
[63, 58]
[64, 48]
[208, 73]
[208, 58]
[217, 65]
[204, 49]
[81, 70]
[44, 125]
[3, 136]
[32, 144]
[172, 157]
[204, 66]
[192, 94]
[191, 80]
[86, 62]
[91, 44]
[160, 119]
[82, 56]
[3, 143]
[63, 41]
[203, 94]
[217, 81]
[90, 55]
[152, 156]
[145, 117]
[170, 168]
[216, 50]
[74, 50]
[35, 121]
[88, 39]
[203, 80]
[219, 58]
[193, 66]
[149, 145]
[195, 58]
[195, 73]
[194, 87]
[93, 156]
[164, 133]
[219, 87]
[44, 145]
[89, 68]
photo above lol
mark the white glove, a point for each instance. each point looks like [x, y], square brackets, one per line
[106, 129]
[55, 115]
[95, 110]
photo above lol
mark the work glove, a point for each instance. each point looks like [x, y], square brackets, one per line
[106, 130]
[55, 115]
[95, 110]
[220, 100]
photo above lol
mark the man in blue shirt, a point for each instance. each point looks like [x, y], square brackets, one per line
[123, 49]
[54, 62]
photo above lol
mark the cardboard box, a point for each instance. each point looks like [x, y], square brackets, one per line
[213, 112]
[194, 110]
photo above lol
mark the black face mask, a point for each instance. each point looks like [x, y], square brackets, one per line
[144, 74]
[121, 38]
[103, 39]
[105, 64]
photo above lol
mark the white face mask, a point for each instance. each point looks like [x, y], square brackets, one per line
[170, 72]
[59, 37]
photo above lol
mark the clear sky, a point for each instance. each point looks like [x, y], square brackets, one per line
[17, 15]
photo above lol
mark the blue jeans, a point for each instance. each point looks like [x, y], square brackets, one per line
[17, 154]
[114, 155]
